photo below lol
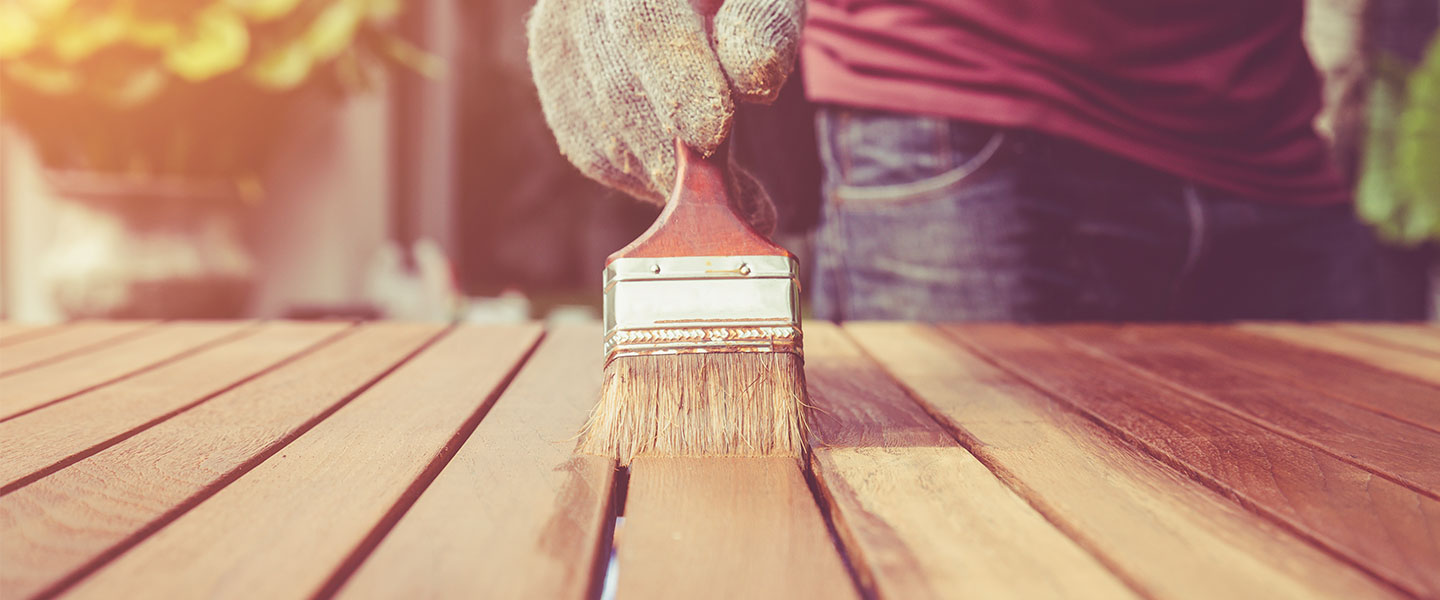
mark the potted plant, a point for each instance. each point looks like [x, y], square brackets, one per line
[154, 120]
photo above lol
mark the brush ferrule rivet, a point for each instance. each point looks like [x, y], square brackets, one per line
[655, 269]
[744, 269]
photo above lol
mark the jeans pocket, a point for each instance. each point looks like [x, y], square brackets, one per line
[882, 187]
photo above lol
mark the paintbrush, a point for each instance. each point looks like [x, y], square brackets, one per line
[702, 332]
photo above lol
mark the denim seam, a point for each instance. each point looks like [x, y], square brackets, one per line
[844, 193]
[834, 235]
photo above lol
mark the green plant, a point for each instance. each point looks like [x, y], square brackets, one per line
[180, 87]
[1399, 190]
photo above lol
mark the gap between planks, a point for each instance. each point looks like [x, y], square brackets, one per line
[1157, 528]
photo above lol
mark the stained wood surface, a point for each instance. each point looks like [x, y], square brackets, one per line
[517, 513]
[1375, 351]
[58, 528]
[921, 516]
[1336, 504]
[316, 460]
[26, 351]
[1162, 533]
[1411, 336]
[50, 382]
[1337, 376]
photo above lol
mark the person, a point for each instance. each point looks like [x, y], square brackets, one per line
[1025, 160]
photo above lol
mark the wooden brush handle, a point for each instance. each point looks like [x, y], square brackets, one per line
[700, 219]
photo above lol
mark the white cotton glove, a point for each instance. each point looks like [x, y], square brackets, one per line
[619, 80]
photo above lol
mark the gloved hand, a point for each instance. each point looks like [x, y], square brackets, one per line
[619, 80]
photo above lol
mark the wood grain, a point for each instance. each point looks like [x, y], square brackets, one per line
[67, 340]
[53, 381]
[1415, 336]
[60, 527]
[1392, 448]
[282, 529]
[12, 332]
[517, 513]
[920, 516]
[1336, 376]
[40, 439]
[1305, 489]
[1398, 359]
[1162, 532]
[725, 528]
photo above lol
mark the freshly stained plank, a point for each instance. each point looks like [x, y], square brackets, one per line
[1337, 376]
[920, 516]
[516, 513]
[725, 528]
[1162, 532]
[11, 332]
[54, 530]
[1390, 357]
[43, 384]
[73, 339]
[34, 441]
[1396, 449]
[282, 529]
[1415, 336]
[1330, 501]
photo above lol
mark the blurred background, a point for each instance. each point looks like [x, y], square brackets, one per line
[387, 158]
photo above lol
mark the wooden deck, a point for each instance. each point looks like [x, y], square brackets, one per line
[296, 460]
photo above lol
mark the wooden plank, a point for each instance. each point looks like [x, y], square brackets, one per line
[920, 516]
[725, 528]
[282, 529]
[42, 439]
[12, 332]
[69, 340]
[1162, 532]
[1400, 360]
[1414, 336]
[1383, 445]
[36, 387]
[59, 528]
[1335, 376]
[517, 513]
[1314, 493]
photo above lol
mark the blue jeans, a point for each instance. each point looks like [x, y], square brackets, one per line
[936, 219]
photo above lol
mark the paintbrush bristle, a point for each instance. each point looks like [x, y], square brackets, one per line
[712, 404]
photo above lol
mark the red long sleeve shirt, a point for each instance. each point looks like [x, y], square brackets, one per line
[1218, 91]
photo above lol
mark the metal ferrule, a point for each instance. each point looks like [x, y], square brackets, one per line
[699, 304]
